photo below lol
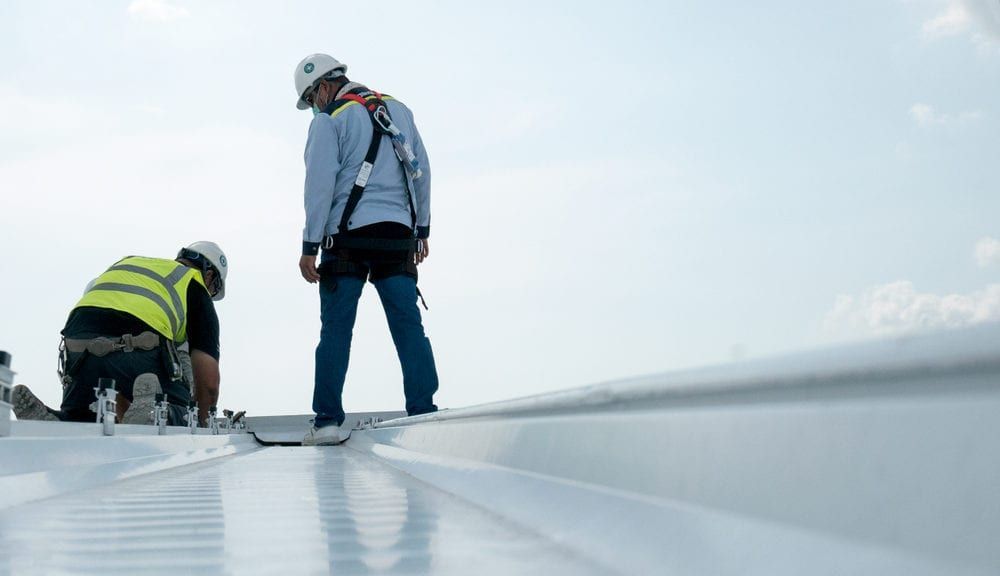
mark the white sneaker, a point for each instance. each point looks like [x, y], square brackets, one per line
[325, 436]
[27, 406]
[144, 390]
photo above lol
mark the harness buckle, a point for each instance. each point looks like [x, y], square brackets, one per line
[380, 116]
[126, 345]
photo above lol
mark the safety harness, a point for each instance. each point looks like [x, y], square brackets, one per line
[382, 126]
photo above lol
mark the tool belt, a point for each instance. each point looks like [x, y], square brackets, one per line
[103, 346]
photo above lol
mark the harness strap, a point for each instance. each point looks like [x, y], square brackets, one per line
[373, 102]
[66, 370]
[421, 296]
[103, 346]
[355, 243]
[172, 361]
[369, 163]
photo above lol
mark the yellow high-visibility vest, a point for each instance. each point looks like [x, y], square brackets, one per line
[153, 290]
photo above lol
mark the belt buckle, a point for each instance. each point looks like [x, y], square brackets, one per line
[146, 341]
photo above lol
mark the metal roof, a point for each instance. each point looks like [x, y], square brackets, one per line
[872, 459]
[278, 510]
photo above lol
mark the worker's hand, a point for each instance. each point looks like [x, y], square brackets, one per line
[423, 250]
[307, 265]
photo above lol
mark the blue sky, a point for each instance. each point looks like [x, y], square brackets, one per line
[618, 189]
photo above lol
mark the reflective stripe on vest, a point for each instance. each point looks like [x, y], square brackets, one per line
[153, 290]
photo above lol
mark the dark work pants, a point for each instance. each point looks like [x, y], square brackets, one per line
[124, 367]
[339, 300]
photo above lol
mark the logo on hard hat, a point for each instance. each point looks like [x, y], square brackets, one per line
[222, 260]
[308, 67]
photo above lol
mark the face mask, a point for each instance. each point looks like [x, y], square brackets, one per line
[316, 109]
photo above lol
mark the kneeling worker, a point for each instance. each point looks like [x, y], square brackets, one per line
[128, 325]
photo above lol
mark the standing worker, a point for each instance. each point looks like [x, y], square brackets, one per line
[367, 200]
[128, 325]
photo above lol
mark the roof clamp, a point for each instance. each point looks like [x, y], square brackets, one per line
[368, 423]
[104, 406]
[192, 417]
[227, 421]
[213, 422]
[160, 414]
[236, 421]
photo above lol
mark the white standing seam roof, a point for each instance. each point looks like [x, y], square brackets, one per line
[873, 459]
[278, 510]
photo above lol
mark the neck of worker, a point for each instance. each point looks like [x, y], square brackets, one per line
[345, 88]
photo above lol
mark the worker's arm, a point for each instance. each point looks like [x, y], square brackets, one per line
[322, 158]
[206, 387]
[203, 339]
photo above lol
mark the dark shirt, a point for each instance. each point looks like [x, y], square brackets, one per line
[202, 322]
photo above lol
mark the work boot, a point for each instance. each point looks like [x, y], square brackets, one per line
[27, 406]
[144, 392]
[325, 436]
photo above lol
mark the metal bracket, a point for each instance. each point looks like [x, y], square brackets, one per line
[160, 413]
[104, 406]
[192, 417]
[213, 421]
[367, 423]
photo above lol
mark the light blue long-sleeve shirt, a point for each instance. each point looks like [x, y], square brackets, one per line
[335, 150]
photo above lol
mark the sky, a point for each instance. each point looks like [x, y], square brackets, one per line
[618, 189]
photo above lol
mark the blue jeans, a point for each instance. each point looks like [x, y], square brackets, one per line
[339, 300]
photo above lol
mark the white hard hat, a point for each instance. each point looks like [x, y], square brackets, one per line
[211, 252]
[311, 69]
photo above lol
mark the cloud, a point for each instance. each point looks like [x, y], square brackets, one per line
[157, 11]
[898, 308]
[978, 18]
[953, 21]
[987, 252]
[926, 116]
